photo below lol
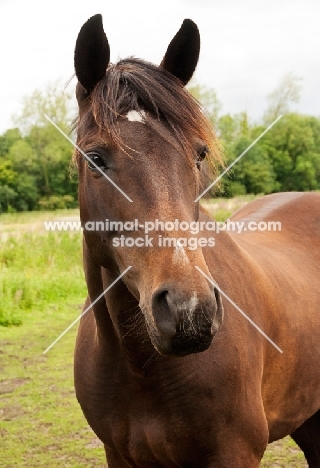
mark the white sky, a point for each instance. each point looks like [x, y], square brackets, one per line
[247, 45]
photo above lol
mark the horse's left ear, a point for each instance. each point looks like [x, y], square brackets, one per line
[92, 53]
[183, 52]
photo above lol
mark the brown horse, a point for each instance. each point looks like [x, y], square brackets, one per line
[164, 377]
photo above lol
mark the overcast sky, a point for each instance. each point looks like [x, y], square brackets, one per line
[247, 45]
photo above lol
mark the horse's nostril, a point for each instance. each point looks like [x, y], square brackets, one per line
[183, 324]
[162, 313]
[162, 295]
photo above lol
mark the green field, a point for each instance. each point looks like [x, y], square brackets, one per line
[41, 292]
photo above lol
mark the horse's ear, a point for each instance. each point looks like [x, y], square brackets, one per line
[92, 53]
[183, 52]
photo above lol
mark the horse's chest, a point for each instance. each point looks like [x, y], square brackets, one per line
[153, 435]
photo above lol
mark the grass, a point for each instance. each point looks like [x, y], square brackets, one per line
[35, 216]
[222, 208]
[36, 271]
[41, 424]
[42, 285]
[42, 289]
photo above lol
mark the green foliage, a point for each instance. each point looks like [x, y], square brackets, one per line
[38, 270]
[8, 139]
[35, 159]
[286, 158]
[294, 152]
[253, 173]
[57, 203]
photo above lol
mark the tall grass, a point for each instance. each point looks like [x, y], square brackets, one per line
[37, 271]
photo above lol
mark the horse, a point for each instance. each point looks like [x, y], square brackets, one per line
[167, 372]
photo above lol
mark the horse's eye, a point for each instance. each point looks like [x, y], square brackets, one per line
[201, 155]
[95, 161]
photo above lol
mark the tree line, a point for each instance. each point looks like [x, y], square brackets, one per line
[286, 158]
[35, 158]
[35, 171]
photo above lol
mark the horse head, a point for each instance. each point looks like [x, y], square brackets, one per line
[143, 139]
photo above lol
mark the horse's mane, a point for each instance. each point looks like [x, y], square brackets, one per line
[133, 84]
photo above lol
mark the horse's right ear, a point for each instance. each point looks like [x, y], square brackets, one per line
[92, 53]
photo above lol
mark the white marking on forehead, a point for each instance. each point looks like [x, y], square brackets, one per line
[179, 255]
[135, 116]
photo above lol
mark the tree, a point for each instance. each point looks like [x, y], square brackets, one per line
[48, 152]
[35, 158]
[7, 197]
[253, 173]
[208, 98]
[8, 139]
[54, 100]
[53, 153]
[287, 91]
[294, 151]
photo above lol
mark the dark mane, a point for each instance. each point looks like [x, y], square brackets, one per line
[133, 84]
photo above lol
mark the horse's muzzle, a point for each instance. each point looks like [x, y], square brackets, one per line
[182, 325]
